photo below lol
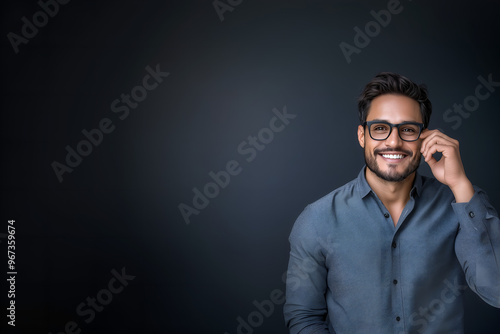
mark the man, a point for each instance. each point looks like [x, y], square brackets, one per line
[392, 251]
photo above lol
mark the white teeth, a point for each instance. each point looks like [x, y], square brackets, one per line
[393, 156]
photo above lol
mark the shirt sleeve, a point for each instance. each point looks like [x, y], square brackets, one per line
[305, 309]
[477, 246]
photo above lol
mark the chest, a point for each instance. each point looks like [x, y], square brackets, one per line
[366, 241]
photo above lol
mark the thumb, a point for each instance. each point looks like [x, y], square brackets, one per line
[432, 161]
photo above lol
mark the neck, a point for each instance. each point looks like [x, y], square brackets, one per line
[388, 192]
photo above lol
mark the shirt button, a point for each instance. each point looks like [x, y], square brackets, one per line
[471, 214]
[395, 281]
[386, 215]
[393, 244]
[398, 318]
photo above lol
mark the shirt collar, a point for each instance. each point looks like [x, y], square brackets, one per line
[364, 188]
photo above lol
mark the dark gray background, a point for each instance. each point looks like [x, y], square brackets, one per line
[119, 208]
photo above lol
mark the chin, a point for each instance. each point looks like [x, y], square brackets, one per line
[392, 177]
[391, 172]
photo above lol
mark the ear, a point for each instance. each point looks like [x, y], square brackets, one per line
[361, 136]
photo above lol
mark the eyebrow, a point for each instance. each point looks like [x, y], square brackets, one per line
[384, 120]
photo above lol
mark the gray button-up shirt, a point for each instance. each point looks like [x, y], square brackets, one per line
[352, 271]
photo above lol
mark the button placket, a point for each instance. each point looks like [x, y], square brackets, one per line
[397, 303]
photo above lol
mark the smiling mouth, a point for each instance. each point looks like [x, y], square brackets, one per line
[394, 156]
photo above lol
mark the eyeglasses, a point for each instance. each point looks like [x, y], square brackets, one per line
[381, 130]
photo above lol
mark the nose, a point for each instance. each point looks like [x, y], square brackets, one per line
[393, 140]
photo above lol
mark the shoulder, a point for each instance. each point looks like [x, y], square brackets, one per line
[317, 216]
[325, 204]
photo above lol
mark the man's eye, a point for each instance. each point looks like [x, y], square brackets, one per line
[408, 130]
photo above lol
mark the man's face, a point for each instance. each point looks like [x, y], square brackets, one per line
[392, 159]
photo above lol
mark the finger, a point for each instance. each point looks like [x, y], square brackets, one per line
[440, 141]
[437, 138]
[428, 137]
[431, 162]
[434, 148]
[425, 133]
[445, 137]
[428, 131]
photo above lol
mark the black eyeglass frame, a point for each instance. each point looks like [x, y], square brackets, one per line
[420, 125]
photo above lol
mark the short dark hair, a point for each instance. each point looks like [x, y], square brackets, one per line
[393, 83]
